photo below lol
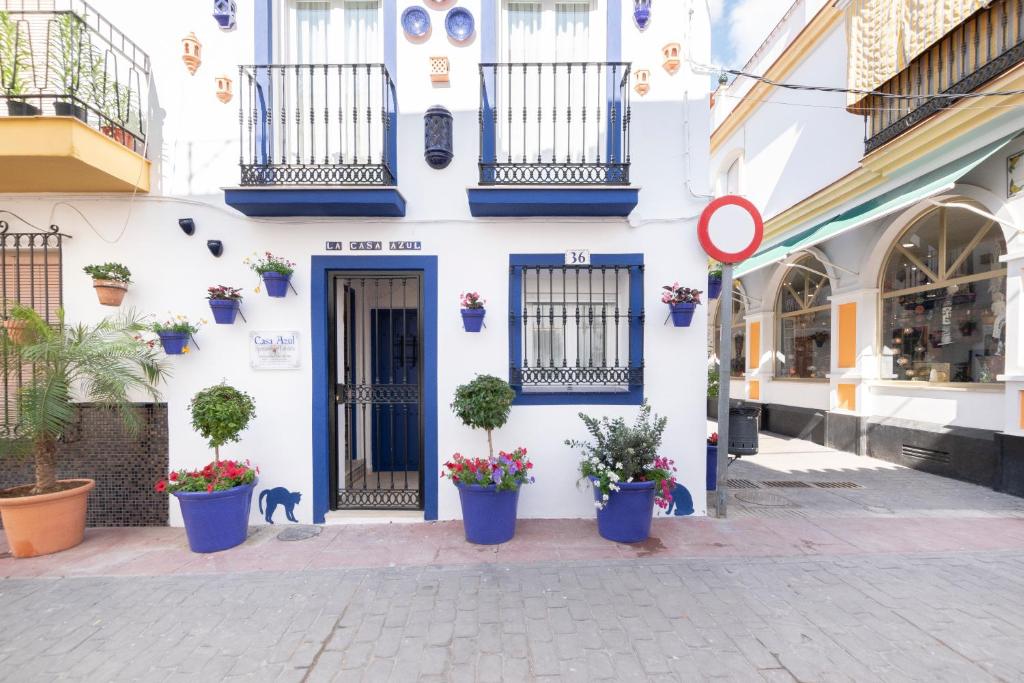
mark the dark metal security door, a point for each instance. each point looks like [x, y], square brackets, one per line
[377, 347]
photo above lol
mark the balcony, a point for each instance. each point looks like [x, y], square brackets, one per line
[316, 140]
[74, 89]
[989, 43]
[554, 140]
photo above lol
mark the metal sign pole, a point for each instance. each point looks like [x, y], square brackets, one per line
[724, 374]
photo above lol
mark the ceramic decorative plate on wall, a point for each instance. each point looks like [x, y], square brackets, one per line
[415, 21]
[459, 24]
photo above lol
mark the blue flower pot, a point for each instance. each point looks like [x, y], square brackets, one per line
[488, 515]
[218, 520]
[714, 286]
[224, 311]
[473, 318]
[173, 342]
[627, 516]
[682, 314]
[277, 284]
[712, 468]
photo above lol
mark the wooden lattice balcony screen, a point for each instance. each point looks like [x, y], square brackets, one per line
[30, 274]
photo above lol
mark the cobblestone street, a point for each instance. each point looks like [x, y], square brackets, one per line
[936, 617]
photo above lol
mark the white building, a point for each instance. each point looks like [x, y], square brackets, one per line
[553, 150]
[882, 316]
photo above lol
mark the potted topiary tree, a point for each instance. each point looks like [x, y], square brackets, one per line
[15, 63]
[627, 474]
[488, 487]
[103, 363]
[110, 280]
[215, 500]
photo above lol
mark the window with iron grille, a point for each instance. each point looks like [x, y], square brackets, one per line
[576, 332]
[30, 274]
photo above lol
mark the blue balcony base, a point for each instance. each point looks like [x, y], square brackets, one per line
[552, 201]
[316, 201]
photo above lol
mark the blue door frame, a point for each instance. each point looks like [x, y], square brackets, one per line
[321, 270]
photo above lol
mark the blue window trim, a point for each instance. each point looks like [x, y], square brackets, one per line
[635, 395]
[263, 37]
[321, 269]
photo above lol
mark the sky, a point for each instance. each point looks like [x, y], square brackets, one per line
[740, 26]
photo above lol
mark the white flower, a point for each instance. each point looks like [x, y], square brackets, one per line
[629, 480]
[613, 476]
[597, 505]
[604, 497]
[618, 465]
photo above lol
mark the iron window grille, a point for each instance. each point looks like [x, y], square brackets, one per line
[576, 332]
[30, 275]
[554, 124]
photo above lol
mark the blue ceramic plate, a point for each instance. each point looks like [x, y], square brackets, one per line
[459, 24]
[416, 21]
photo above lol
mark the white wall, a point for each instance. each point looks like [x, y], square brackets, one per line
[194, 146]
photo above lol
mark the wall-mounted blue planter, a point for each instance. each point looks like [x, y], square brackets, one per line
[224, 13]
[714, 286]
[473, 318]
[224, 310]
[173, 342]
[682, 314]
[277, 284]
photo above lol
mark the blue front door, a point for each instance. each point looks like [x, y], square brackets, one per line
[395, 421]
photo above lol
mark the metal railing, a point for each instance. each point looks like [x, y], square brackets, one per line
[62, 58]
[554, 124]
[987, 44]
[316, 124]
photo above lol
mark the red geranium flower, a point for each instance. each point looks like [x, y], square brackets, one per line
[173, 476]
[209, 488]
[161, 486]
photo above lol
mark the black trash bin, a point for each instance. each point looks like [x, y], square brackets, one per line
[743, 430]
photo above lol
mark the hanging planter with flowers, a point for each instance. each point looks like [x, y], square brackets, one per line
[275, 271]
[224, 302]
[682, 302]
[473, 311]
[110, 280]
[715, 281]
[175, 334]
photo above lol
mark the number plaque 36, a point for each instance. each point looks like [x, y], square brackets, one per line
[577, 257]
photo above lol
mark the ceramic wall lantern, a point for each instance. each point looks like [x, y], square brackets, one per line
[224, 93]
[224, 13]
[642, 14]
[437, 142]
[671, 52]
[439, 69]
[642, 78]
[192, 51]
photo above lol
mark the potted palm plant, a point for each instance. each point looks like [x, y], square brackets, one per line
[216, 499]
[110, 280]
[15, 62]
[104, 363]
[69, 54]
[488, 487]
[628, 476]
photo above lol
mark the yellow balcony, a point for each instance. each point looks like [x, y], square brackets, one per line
[63, 154]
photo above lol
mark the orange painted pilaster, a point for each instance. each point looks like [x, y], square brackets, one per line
[846, 397]
[754, 346]
[754, 390]
[847, 335]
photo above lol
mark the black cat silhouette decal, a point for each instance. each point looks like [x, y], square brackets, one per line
[279, 496]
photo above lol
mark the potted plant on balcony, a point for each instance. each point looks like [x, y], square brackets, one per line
[175, 333]
[120, 116]
[69, 55]
[473, 311]
[628, 476]
[275, 271]
[682, 302]
[103, 363]
[15, 62]
[216, 499]
[488, 488]
[224, 302]
[110, 280]
[715, 281]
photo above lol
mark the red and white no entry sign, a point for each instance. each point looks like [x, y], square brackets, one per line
[730, 229]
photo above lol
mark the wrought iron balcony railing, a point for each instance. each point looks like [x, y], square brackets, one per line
[554, 124]
[987, 44]
[62, 58]
[316, 124]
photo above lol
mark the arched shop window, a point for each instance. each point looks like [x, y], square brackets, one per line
[738, 364]
[803, 343]
[944, 299]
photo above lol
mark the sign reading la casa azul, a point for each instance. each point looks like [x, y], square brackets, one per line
[375, 245]
[271, 350]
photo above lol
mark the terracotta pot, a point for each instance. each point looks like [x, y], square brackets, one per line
[48, 523]
[110, 292]
[120, 135]
[17, 331]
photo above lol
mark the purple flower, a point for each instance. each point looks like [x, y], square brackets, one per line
[496, 476]
[513, 468]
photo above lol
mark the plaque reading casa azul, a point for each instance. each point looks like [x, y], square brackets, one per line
[274, 350]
